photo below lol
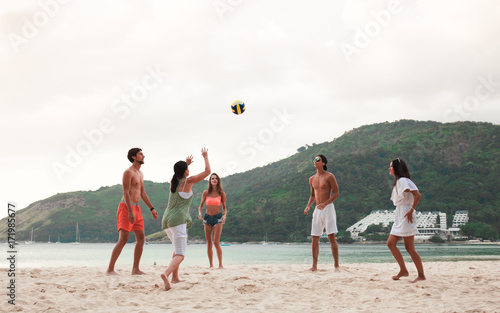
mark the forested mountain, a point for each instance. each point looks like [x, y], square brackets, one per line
[455, 166]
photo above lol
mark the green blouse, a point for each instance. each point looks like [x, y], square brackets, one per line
[177, 211]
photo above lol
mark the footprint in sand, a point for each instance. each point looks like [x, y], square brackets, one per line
[247, 289]
[477, 278]
[187, 286]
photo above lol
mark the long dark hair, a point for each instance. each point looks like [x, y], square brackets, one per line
[219, 184]
[400, 170]
[179, 169]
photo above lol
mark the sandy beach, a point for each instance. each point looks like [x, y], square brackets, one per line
[472, 286]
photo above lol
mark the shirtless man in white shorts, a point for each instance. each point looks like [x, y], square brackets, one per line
[322, 184]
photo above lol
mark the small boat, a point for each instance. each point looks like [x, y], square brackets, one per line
[264, 243]
[77, 240]
[30, 241]
[58, 241]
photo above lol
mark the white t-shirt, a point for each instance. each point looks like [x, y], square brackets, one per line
[398, 196]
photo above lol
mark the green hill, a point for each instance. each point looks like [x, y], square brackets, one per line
[455, 166]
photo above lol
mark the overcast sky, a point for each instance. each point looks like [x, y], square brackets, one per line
[82, 82]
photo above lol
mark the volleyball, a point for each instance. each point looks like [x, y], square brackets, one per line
[238, 107]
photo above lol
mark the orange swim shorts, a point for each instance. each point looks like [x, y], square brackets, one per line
[122, 218]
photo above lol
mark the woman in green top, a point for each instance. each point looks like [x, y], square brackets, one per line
[176, 218]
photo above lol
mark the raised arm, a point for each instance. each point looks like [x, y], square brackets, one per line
[199, 177]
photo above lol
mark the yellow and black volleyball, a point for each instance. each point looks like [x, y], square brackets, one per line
[238, 107]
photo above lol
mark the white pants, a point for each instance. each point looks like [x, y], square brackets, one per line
[326, 218]
[178, 237]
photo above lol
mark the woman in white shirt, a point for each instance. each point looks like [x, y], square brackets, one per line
[405, 197]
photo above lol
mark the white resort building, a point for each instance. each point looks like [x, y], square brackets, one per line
[460, 218]
[428, 223]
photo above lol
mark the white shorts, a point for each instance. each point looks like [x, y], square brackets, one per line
[326, 218]
[178, 237]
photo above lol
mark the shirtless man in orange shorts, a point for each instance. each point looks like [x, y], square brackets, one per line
[129, 216]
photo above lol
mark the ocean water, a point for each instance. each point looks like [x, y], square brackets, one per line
[39, 255]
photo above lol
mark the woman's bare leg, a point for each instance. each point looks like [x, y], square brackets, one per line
[208, 237]
[392, 244]
[410, 247]
[217, 233]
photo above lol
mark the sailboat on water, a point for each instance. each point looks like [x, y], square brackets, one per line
[264, 243]
[30, 241]
[58, 241]
[77, 240]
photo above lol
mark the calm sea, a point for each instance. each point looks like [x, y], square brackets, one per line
[98, 254]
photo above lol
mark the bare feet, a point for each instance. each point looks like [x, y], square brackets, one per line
[137, 271]
[313, 269]
[221, 267]
[111, 273]
[418, 278]
[165, 281]
[337, 269]
[400, 274]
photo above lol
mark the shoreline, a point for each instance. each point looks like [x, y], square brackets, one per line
[450, 287]
[199, 241]
[98, 254]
